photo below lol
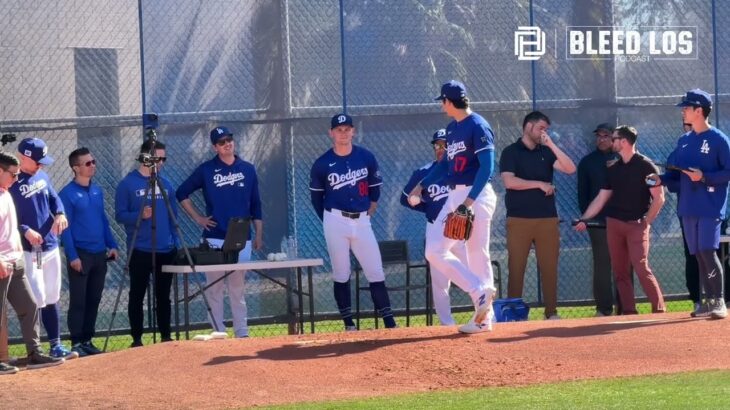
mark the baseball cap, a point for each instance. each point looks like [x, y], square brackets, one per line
[453, 90]
[604, 126]
[35, 149]
[341, 119]
[696, 98]
[218, 133]
[439, 135]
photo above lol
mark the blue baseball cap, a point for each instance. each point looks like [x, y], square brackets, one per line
[341, 119]
[439, 135]
[35, 149]
[218, 133]
[453, 90]
[696, 98]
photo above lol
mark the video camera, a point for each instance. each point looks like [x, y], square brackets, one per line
[7, 139]
[150, 122]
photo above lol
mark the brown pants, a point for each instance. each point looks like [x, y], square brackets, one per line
[544, 233]
[628, 244]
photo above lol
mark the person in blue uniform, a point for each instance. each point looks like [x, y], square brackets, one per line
[345, 188]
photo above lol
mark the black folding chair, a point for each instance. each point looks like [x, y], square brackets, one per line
[395, 253]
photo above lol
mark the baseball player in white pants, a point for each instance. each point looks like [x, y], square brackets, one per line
[235, 282]
[430, 201]
[467, 170]
[345, 188]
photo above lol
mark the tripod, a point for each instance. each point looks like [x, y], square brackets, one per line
[150, 161]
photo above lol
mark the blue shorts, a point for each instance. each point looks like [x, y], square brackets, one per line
[702, 234]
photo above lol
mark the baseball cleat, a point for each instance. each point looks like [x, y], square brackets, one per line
[350, 328]
[473, 327]
[484, 306]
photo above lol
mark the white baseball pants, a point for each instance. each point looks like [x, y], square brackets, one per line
[342, 234]
[236, 283]
[474, 275]
[45, 282]
[440, 284]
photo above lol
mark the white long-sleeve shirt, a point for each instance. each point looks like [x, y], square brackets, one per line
[10, 248]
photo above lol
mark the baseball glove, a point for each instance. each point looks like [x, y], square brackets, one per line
[459, 223]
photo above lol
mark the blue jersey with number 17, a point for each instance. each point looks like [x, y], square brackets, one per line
[346, 180]
[464, 140]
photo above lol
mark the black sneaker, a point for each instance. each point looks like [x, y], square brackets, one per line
[136, 343]
[37, 360]
[7, 369]
[79, 349]
[90, 349]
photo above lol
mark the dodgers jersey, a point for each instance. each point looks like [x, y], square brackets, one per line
[229, 191]
[433, 197]
[36, 203]
[710, 152]
[465, 139]
[346, 181]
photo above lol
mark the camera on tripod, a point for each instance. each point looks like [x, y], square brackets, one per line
[7, 139]
[150, 122]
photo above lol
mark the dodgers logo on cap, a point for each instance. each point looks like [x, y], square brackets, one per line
[341, 119]
[218, 133]
[439, 135]
[453, 90]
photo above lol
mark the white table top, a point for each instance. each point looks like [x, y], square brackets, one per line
[290, 263]
[724, 238]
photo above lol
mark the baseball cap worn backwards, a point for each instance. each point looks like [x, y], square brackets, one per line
[696, 98]
[35, 149]
[453, 90]
[439, 135]
[340, 119]
[218, 133]
[604, 126]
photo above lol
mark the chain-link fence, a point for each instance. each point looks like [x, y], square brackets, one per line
[274, 71]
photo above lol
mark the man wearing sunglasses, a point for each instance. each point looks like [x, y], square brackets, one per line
[88, 243]
[430, 202]
[592, 170]
[230, 189]
[41, 220]
[132, 197]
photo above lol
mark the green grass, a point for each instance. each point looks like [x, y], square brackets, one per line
[697, 390]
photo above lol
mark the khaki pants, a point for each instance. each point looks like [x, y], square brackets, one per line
[544, 233]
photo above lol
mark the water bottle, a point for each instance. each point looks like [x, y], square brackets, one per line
[292, 247]
[285, 245]
[38, 256]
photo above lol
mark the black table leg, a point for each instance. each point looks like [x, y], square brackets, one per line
[311, 297]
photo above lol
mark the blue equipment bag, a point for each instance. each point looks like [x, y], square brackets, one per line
[510, 310]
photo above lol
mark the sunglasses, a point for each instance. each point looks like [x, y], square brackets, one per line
[14, 174]
[438, 146]
[223, 141]
[87, 163]
[617, 138]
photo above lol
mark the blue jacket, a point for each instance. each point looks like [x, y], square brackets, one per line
[88, 226]
[130, 198]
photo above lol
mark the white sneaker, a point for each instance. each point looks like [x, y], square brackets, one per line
[553, 317]
[718, 310]
[350, 328]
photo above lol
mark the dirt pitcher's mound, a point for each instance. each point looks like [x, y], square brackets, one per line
[240, 373]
